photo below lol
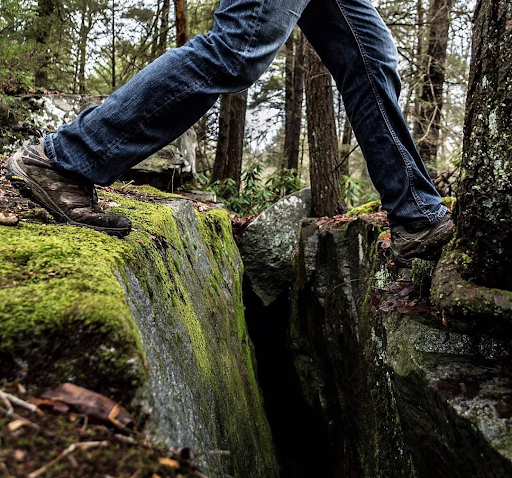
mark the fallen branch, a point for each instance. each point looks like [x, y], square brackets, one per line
[68, 451]
[13, 400]
[10, 409]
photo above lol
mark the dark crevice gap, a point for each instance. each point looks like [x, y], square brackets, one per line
[299, 433]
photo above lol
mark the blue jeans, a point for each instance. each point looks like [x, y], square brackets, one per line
[172, 93]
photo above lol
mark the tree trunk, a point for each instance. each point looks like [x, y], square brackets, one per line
[182, 34]
[230, 143]
[298, 96]
[428, 121]
[164, 27]
[484, 208]
[236, 137]
[82, 48]
[326, 177]
[113, 59]
[288, 96]
[42, 26]
[221, 153]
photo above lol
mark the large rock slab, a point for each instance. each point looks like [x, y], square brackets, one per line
[269, 243]
[403, 392]
[156, 318]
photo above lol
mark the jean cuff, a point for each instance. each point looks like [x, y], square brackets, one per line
[50, 148]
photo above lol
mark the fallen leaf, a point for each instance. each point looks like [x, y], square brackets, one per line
[90, 403]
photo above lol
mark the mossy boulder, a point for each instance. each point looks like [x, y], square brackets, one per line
[157, 317]
[404, 391]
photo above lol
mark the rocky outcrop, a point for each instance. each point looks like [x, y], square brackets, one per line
[173, 165]
[156, 319]
[405, 392]
[269, 243]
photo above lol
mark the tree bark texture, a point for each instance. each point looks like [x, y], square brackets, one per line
[294, 94]
[181, 15]
[221, 153]
[230, 145]
[42, 27]
[288, 94]
[484, 207]
[164, 27]
[428, 121]
[326, 177]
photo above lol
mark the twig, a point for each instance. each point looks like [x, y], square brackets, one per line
[71, 449]
[127, 184]
[125, 439]
[10, 409]
[21, 403]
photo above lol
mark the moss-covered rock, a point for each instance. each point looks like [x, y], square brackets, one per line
[403, 392]
[158, 315]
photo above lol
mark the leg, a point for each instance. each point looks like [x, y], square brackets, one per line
[356, 46]
[173, 92]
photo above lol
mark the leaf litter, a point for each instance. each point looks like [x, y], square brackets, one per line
[72, 432]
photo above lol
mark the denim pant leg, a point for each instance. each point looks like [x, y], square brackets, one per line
[172, 93]
[355, 44]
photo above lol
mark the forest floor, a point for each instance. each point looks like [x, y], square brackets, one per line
[55, 441]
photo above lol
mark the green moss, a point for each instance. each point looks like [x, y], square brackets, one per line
[63, 285]
[422, 272]
[367, 208]
[146, 190]
[449, 202]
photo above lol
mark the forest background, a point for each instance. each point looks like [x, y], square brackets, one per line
[253, 146]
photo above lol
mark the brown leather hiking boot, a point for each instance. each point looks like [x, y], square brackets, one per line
[424, 244]
[68, 198]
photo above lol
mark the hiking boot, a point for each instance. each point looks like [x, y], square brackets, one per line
[423, 244]
[68, 198]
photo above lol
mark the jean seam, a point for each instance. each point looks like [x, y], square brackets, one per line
[256, 26]
[410, 173]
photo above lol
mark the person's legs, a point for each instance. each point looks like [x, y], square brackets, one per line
[357, 48]
[173, 92]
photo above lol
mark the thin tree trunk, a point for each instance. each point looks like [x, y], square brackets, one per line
[428, 122]
[164, 27]
[113, 59]
[221, 153]
[326, 177]
[82, 52]
[45, 10]
[182, 32]
[347, 133]
[298, 95]
[236, 136]
[288, 96]
[156, 32]
[230, 143]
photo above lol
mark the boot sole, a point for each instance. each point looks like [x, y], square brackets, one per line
[30, 189]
